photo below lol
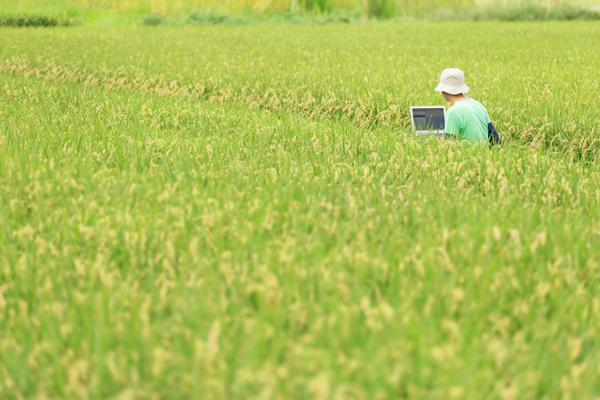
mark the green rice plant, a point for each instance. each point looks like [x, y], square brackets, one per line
[161, 245]
[569, 12]
[315, 5]
[534, 12]
[381, 8]
[211, 18]
[152, 20]
[23, 21]
[553, 107]
[243, 212]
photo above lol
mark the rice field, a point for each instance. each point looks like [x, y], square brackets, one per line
[386, 8]
[242, 212]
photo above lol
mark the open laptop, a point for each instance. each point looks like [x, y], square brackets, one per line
[428, 120]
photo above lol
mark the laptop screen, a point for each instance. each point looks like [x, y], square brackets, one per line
[428, 118]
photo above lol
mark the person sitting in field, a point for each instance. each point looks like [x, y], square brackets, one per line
[467, 119]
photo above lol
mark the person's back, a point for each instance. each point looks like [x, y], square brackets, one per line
[466, 119]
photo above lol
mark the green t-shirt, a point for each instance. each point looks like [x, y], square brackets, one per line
[468, 120]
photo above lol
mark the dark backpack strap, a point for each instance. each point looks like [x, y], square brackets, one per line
[493, 135]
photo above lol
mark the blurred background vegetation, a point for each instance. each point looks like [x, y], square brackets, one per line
[154, 12]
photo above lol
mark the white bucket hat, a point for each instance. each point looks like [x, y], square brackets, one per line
[452, 81]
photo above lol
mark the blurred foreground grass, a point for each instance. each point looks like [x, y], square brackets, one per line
[161, 246]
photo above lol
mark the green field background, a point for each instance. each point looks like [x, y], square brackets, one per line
[417, 8]
[243, 211]
[238, 212]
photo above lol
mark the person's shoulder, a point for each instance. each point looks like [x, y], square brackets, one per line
[458, 107]
[464, 103]
[477, 102]
[452, 110]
